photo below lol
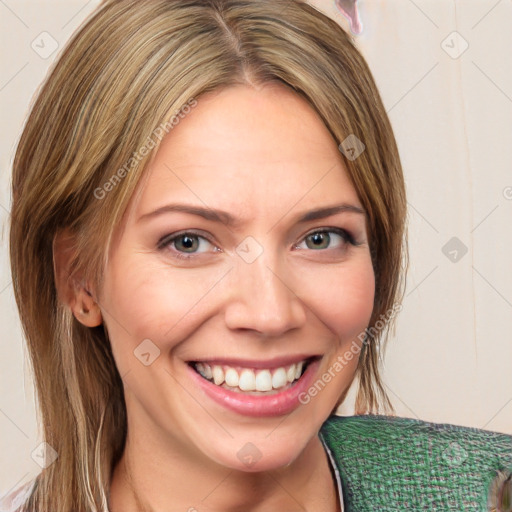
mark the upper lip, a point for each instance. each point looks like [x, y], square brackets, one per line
[275, 362]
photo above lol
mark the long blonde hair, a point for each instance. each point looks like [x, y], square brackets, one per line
[126, 72]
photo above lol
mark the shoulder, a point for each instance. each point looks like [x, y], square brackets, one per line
[13, 500]
[393, 426]
[361, 434]
[410, 463]
[389, 428]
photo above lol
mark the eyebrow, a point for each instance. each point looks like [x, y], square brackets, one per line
[229, 220]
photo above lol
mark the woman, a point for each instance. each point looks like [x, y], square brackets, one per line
[207, 247]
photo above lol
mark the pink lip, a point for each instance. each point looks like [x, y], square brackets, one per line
[277, 404]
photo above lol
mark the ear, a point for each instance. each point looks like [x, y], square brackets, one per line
[70, 289]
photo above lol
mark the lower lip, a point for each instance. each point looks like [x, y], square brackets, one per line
[276, 404]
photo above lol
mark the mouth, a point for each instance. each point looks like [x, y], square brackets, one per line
[255, 388]
[250, 380]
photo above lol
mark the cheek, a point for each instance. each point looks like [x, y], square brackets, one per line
[155, 301]
[343, 297]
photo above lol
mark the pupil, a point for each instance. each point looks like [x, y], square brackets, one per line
[320, 240]
[187, 242]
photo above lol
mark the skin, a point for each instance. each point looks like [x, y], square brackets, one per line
[263, 155]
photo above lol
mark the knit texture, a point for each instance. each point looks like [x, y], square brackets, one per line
[388, 463]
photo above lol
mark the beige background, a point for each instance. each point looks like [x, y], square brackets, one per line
[450, 360]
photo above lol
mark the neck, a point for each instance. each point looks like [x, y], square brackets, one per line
[142, 483]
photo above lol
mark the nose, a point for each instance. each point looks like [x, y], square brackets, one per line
[263, 299]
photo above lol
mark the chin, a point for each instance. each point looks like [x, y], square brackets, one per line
[261, 452]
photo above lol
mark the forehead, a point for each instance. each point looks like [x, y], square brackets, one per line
[246, 149]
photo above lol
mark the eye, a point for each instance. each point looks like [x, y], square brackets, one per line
[186, 243]
[328, 238]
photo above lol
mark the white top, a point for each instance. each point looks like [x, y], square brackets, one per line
[12, 502]
[336, 473]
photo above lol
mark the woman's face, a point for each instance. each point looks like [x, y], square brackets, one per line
[237, 262]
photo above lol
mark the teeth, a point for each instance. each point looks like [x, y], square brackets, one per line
[279, 378]
[250, 380]
[290, 374]
[218, 375]
[247, 380]
[207, 371]
[298, 371]
[200, 369]
[231, 377]
[264, 380]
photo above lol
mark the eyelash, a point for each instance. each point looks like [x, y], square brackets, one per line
[168, 240]
[338, 231]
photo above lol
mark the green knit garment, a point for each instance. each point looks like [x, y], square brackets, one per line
[388, 463]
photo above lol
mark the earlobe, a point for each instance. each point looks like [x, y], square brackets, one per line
[85, 309]
[71, 291]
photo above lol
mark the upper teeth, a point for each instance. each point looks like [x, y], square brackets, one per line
[251, 380]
